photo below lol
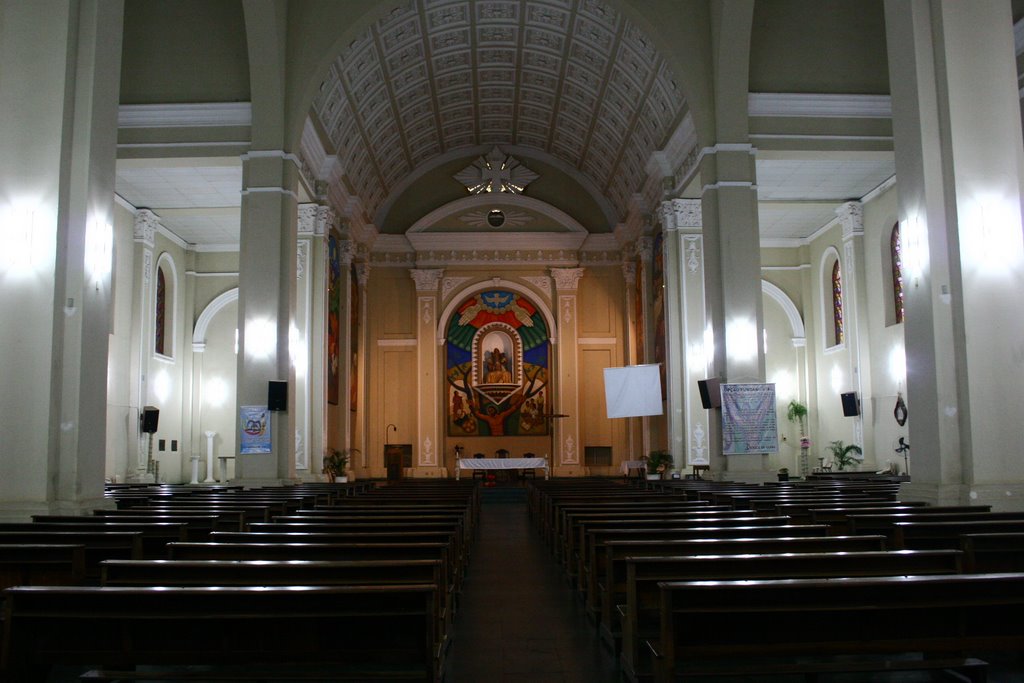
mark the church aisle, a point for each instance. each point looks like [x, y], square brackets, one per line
[518, 620]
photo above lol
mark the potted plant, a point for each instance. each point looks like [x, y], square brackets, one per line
[336, 462]
[844, 455]
[783, 474]
[797, 414]
[658, 462]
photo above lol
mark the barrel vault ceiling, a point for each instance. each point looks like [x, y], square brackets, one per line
[572, 81]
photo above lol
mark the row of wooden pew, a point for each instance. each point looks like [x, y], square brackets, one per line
[698, 578]
[318, 582]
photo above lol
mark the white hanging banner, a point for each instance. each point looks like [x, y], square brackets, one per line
[749, 420]
[633, 391]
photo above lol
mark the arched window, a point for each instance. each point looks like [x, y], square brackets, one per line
[837, 303]
[896, 256]
[161, 312]
[163, 307]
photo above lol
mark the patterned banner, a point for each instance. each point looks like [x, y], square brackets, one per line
[749, 422]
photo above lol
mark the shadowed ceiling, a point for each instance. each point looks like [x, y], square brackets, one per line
[570, 78]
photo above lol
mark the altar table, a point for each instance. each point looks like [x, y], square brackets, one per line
[501, 464]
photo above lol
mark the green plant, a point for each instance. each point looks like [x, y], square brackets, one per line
[797, 413]
[659, 462]
[844, 455]
[335, 461]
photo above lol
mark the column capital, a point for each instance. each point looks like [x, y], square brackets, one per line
[326, 218]
[629, 272]
[567, 278]
[306, 219]
[851, 217]
[144, 229]
[362, 273]
[346, 252]
[645, 248]
[678, 214]
[426, 279]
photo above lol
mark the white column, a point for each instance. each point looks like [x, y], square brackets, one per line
[851, 218]
[645, 256]
[209, 457]
[428, 418]
[144, 232]
[674, 340]
[566, 430]
[266, 305]
[959, 155]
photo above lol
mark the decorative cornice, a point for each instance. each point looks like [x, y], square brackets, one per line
[184, 115]
[566, 279]
[426, 279]
[145, 227]
[851, 218]
[820, 105]
[482, 257]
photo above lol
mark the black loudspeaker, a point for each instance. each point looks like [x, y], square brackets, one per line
[150, 418]
[277, 395]
[710, 392]
[851, 406]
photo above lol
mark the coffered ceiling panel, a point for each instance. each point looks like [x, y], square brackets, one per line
[571, 78]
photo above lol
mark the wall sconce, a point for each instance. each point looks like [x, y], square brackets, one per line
[99, 250]
[996, 248]
[260, 338]
[914, 238]
[18, 243]
[741, 339]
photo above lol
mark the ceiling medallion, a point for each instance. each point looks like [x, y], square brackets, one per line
[496, 218]
[497, 172]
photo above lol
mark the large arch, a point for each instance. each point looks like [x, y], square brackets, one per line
[481, 285]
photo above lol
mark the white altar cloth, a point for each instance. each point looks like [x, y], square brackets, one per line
[502, 464]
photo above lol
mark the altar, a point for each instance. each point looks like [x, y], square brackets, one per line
[501, 464]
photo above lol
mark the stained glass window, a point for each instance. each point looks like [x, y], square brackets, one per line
[896, 253]
[161, 311]
[837, 303]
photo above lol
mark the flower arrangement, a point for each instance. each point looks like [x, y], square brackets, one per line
[805, 442]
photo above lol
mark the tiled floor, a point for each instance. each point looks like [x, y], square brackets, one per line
[518, 619]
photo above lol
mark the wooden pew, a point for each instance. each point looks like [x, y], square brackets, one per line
[845, 625]
[993, 552]
[946, 534]
[455, 568]
[197, 527]
[286, 573]
[224, 519]
[155, 535]
[594, 569]
[332, 632]
[641, 602]
[97, 545]
[35, 564]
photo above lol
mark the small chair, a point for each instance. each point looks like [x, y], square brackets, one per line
[482, 474]
[528, 473]
[504, 453]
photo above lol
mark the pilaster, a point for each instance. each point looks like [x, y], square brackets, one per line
[567, 461]
[851, 219]
[428, 458]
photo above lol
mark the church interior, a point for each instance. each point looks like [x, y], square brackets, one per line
[244, 238]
